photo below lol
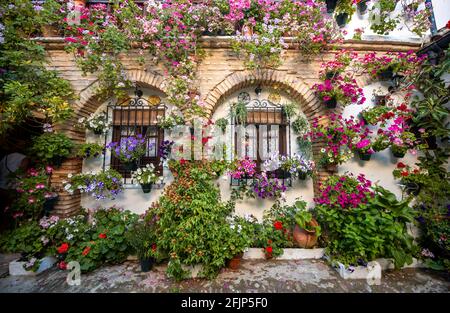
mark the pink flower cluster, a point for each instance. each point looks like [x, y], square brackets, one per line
[345, 191]
[243, 168]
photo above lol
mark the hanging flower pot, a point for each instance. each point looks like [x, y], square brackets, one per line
[386, 74]
[330, 75]
[398, 152]
[130, 166]
[57, 161]
[431, 142]
[306, 238]
[332, 167]
[147, 264]
[247, 30]
[146, 188]
[98, 131]
[302, 175]
[342, 19]
[235, 262]
[364, 156]
[362, 7]
[380, 100]
[49, 204]
[412, 188]
[331, 103]
[331, 5]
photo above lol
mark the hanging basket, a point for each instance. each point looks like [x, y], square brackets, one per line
[364, 156]
[331, 5]
[398, 153]
[130, 166]
[146, 188]
[386, 74]
[342, 19]
[362, 7]
[331, 104]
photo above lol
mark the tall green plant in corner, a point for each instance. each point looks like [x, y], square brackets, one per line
[27, 87]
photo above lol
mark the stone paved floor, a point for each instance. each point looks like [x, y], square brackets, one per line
[254, 276]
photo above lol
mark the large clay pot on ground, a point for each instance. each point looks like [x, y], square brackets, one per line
[235, 262]
[305, 238]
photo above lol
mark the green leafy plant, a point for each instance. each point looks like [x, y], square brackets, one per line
[303, 218]
[300, 125]
[239, 112]
[222, 123]
[89, 150]
[361, 222]
[51, 147]
[142, 238]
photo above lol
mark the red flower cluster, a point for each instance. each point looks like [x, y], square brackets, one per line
[63, 248]
[401, 165]
[154, 247]
[278, 225]
[62, 265]
[102, 236]
[86, 251]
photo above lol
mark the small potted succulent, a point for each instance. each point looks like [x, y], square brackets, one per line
[146, 177]
[97, 123]
[307, 230]
[142, 238]
[129, 150]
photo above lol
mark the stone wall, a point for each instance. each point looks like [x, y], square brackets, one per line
[219, 74]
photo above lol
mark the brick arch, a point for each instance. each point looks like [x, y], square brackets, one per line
[297, 89]
[87, 104]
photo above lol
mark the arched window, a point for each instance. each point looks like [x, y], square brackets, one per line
[267, 130]
[138, 115]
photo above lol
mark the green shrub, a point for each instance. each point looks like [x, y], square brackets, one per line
[49, 147]
[361, 223]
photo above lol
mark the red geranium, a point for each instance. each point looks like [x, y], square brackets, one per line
[401, 165]
[102, 236]
[86, 251]
[62, 265]
[153, 247]
[182, 161]
[269, 250]
[278, 225]
[63, 248]
[404, 173]
[448, 25]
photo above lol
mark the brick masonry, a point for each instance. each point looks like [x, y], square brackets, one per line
[219, 74]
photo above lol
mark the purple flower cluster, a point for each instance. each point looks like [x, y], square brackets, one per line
[268, 188]
[165, 149]
[129, 148]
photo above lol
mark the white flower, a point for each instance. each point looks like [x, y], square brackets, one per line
[70, 175]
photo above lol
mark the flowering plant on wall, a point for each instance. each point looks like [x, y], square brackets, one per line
[266, 187]
[386, 66]
[298, 166]
[342, 89]
[101, 185]
[145, 175]
[337, 136]
[33, 189]
[242, 168]
[129, 149]
[98, 123]
[263, 48]
[342, 60]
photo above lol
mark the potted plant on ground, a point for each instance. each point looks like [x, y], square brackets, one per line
[306, 230]
[242, 230]
[142, 238]
[52, 148]
[97, 123]
[146, 177]
[129, 150]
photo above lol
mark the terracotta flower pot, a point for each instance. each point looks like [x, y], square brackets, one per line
[305, 238]
[235, 262]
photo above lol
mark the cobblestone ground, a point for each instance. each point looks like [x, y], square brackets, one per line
[253, 276]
